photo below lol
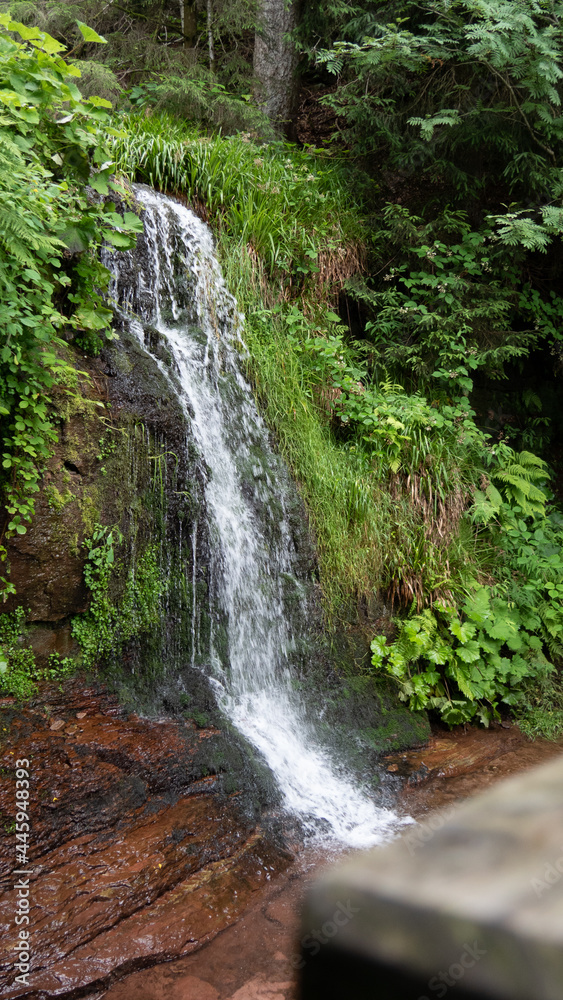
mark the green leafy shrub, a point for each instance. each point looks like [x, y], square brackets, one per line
[530, 569]
[52, 143]
[502, 643]
[464, 662]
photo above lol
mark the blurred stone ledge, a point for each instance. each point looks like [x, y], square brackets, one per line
[465, 905]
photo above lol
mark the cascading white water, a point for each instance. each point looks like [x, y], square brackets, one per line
[173, 282]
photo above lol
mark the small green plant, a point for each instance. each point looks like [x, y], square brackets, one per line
[201, 719]
[56, 500]
[58, 668]
[109, 624]
[94, 630]
[542, 714]
[449, 302]
[18, 672]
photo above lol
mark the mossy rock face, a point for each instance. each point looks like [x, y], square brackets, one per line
[357, 714]
[47, 563]
[367, 707]
[120, 460]
[187, 693]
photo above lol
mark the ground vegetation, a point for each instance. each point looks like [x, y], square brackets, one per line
[400, 276]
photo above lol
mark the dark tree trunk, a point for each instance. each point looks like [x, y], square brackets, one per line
[189, 22]
[275, 62]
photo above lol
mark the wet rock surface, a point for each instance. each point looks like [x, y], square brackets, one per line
[255, 959]
[258, 957]
[138, 854]
[149, 879]
[455, 765]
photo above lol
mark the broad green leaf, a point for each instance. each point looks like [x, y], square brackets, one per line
[99, 102]
[462, 631]
[477, 607]
[132, 223]
[89, 35]
[469, 653]
[119, 240]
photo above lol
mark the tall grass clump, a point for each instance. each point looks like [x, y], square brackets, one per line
[349, 513]
[284, 204]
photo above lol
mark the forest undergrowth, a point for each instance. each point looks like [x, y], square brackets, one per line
[388, 339]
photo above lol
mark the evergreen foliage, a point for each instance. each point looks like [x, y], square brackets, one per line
[150, 59]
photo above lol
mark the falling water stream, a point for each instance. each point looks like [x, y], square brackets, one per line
[172, 283]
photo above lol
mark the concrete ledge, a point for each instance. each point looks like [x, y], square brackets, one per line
[471, 901]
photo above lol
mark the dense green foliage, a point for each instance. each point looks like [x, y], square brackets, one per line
[401, 287]
[466, 92]
[152, 59]
[454, 108]
[51, 144]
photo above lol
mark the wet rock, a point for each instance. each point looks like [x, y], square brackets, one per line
[261, 951]
[454, 765]
[137, 855]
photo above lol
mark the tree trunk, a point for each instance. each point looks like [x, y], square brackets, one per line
[275, 61]
[189, 22]
[210, 34]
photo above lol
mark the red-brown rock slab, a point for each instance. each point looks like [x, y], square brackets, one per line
[254, 959]
[136, 856]
[257, 957]
[454, 765]
[148, 882]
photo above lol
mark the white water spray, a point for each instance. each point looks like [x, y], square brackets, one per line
[175, 285]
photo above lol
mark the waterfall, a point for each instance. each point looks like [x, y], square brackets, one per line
[172, 283]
